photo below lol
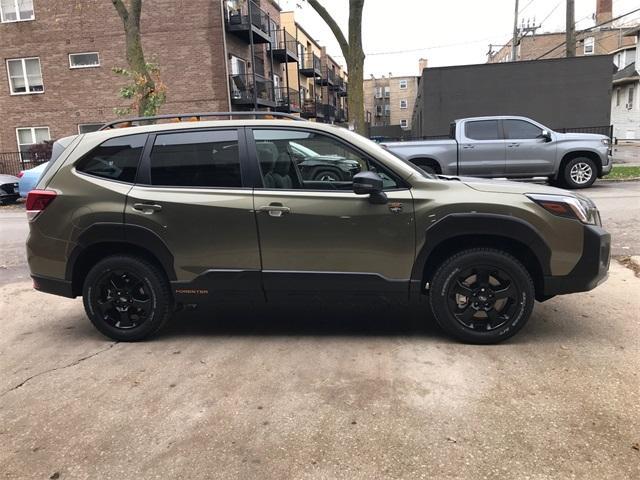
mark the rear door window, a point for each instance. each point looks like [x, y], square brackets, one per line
[482, 130]
[115, 159]
[196, 159]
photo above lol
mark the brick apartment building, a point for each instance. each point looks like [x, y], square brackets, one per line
[389, 101]
[600, 41]
[213, 55]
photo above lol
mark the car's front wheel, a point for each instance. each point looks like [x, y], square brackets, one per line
[326, 176]
[127, 298]
[579, 173]
[482, 295]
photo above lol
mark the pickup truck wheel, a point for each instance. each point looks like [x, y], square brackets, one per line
[579, 173]
[326, 176]
[127, 298]
[482, 296]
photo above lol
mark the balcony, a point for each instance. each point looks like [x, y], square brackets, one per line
[287, 100]
[341, 115]
[328, 112]
[244, 92]
[248, 20]
[340, 87]
[327, 78]
[284, 47]
[310, 65]
[311, 109]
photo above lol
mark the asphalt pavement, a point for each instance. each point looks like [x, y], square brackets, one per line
[323, 393]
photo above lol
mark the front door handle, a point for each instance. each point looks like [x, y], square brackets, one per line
[147, 208]
[513, 145]
[466, 147]
[275, 210]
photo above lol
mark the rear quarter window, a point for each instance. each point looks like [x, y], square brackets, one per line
[115, 159]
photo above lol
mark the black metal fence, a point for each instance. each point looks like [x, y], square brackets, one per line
[12, 163]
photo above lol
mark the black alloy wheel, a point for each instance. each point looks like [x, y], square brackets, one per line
[127, 298]
[481, 295]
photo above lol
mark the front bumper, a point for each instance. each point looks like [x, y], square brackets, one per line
[590, 271]
[606, 168]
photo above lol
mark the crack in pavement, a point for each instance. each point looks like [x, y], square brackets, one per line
[72, 364]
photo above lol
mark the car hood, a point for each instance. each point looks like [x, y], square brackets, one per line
[507, 186]
[581, 136]
[8, 179]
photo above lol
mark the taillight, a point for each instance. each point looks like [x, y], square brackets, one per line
[21, 174]
[37, 201]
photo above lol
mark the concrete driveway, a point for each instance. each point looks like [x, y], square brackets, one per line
[320, 393]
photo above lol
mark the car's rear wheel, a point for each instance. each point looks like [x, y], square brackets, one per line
[579, 173]
[482, 295]
[127, 298]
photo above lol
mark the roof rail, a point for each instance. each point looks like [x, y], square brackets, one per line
[197, 117]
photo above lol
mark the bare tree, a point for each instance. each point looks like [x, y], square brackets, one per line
[353, 54]
[146, 91]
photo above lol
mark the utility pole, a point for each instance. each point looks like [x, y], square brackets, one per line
[514, 41]
[571, 29]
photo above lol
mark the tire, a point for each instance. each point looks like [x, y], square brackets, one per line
[579, 172]
[127, 298]
[494, 308]
[326, 176]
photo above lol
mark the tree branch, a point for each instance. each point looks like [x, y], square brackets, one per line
[333, 25]
[121, 9]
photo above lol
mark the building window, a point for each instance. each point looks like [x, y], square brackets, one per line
[403, 84]
[16, 10]
[404, 123]
[29, 136]
[630, 98]
[89, 127]
[25, 76]
[387, 92]
[589, 45]
[84, 60]
[403, 104]
[378, 92]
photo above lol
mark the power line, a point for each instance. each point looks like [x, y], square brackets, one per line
[588, 30]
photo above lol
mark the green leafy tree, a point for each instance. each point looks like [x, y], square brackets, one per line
[145, 90]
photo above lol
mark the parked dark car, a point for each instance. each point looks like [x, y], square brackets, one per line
[322, 168]
[8, 189]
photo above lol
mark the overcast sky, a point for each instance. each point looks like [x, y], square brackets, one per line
[449, 32]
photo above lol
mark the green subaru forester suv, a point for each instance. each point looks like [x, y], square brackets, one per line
[146, 219]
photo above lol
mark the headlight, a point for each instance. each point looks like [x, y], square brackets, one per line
[577, 208]
[606, 142]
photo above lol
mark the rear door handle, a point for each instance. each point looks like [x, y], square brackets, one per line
[147, 207]
[275, 210]
[466, 147]
[513, 145]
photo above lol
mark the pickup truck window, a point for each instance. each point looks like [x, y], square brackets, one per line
[520, 130]
[482, 130]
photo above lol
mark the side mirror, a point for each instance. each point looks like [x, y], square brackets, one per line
[369, 183]
[546, 135]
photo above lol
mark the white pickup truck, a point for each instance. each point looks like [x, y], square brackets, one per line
[511, 147]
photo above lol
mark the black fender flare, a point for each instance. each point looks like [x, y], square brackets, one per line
[107, 232]
[464, 224]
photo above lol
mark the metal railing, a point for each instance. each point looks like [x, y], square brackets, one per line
[287, 98]
[258, 65]
[310, 61]
[240, 16]
[283, 40]
[12, 163]
[244, 90]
